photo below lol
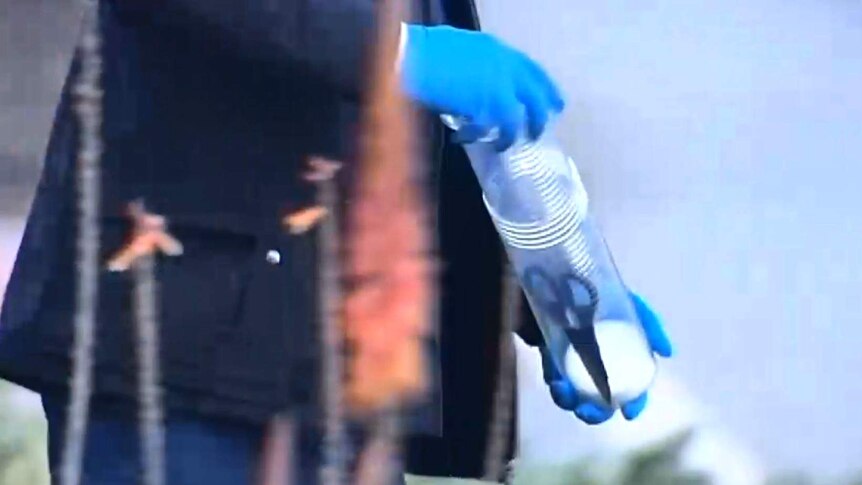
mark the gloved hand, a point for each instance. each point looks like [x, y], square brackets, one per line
[565, 395]
[474, 75]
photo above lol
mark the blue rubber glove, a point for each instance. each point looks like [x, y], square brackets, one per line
[565, 395]
[474, 75]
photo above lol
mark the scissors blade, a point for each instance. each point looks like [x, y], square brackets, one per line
[560, 302]
[585, 344]
[582, 334]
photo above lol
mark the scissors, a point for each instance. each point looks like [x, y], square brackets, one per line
[558, 299]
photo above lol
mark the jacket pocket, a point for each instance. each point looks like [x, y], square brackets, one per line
[199, 294]
[196, 296]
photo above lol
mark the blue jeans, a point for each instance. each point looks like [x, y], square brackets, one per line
[198, 450]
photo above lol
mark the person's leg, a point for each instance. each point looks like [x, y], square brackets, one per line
[111, 444]
[213, 452]
[309, 454]
[197, 450]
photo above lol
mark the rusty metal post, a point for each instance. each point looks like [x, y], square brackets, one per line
[504, 395]
[88, 108]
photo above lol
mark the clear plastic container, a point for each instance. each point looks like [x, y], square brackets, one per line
[540, 208]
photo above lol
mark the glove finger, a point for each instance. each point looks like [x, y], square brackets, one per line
[543, 80]
[564, 394]
[511, 116]
[549, 370]
[632, 409]
[470, 133]
[592, 413]
[653, 327]
[536, 106]
[507, 138]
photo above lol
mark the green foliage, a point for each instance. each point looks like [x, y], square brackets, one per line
[661, 465]
[23, 459]
[654, 465]
[578, 473]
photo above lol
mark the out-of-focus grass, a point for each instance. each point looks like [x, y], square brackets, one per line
[414, 480]
[659, 464]
[23, 459]
[565, 474]
[23, 432]
[654, 465]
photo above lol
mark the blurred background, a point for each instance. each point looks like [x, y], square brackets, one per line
[720, 141]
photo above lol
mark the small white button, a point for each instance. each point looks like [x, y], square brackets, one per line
[273, 257]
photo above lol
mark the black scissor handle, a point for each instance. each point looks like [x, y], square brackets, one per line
[559, 297]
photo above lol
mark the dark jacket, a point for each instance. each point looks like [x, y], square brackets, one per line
[212, 110]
